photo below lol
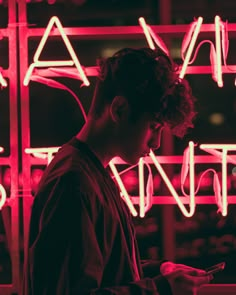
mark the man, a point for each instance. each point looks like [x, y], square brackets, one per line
[81, 238]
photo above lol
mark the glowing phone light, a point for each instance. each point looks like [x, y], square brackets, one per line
[3, 196]
[218, 51]
[124, 192]
[170, 186]
[190, 48]
[37, 63]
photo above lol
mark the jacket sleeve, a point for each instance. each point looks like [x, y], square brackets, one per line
[67, 256]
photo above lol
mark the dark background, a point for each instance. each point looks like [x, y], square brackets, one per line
[207, 237]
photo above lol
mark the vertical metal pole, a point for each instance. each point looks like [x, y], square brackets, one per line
[167, 148]
[13, 200]
[14, 158]
[25, 119]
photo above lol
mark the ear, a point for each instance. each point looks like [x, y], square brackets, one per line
[119, 108]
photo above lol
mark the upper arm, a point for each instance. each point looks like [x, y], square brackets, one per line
[66, 251]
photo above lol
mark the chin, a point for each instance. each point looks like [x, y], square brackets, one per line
[132, 160]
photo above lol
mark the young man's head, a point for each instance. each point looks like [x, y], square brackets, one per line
[142, 91]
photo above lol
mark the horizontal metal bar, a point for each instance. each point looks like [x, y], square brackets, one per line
[198, 159]
[5, 161]
[169, 200]
[92, 71]
[121, 31]
[6, 289]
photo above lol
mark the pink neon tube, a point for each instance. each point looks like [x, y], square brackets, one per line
[218, 51]
[75, 61]
[172, 189]
[190, 48]
[144, 26]
[122, 188]
[3, 82]
[141, 189]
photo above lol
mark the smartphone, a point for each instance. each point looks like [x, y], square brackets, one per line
[215, 268]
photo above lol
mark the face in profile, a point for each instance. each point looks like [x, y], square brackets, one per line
[137, 138]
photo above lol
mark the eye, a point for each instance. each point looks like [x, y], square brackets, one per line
[155, 126]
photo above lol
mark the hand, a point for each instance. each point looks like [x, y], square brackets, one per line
[184, 279]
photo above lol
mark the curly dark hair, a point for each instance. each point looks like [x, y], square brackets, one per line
[149, 81]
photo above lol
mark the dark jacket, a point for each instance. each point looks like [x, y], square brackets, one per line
[81, 236]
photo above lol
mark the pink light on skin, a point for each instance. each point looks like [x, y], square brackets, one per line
[3, 196]
[37, 63]
[124, 192]
[3, 82]
[172, 190]
[211, 148]
[191, 46]
[218, 51]
[42, 153]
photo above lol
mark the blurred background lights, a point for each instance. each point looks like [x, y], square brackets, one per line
[216, 119]
[234, 171]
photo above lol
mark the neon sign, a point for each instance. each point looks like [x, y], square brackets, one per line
[54, 21]
[188, 168]
[3, 196]
[3, 82]
[218, 51]
[188, 44]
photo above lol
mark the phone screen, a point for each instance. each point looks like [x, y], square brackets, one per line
[215, 268]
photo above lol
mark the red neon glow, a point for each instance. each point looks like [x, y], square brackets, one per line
[145, 203]
[188, 162]
[159, 42]
[149, 191]
[141, 189]
[191, 46]
[144, 26]
[124, 193]
[42, 153]
[149, 34]
[172, 189]
[54, 21]
[218, 51]
[3, 196]
[225, 148]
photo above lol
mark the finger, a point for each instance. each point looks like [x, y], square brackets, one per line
[199, 280]
[191, 270]
[174, 274]
[195, 272]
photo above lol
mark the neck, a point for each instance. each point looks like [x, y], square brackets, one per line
[98, 140]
